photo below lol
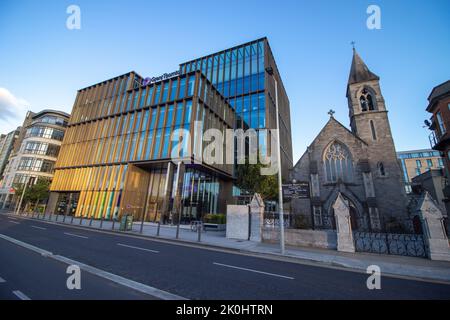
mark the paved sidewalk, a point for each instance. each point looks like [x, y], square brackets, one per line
[389, 264]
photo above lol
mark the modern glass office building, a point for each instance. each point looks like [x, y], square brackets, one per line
[117, 155]
[239, 74]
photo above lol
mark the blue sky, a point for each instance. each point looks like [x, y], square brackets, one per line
[43, 64]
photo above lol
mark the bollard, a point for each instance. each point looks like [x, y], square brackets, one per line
[101, 222]
[199, 232]
[142, 226]
[71, 220]
[178, 230]
[64, 218]
[159, 227]
[114, 222]
[81, 219]
[90, 221]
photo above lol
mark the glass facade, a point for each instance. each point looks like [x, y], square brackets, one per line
[119, 154]
[239, 75]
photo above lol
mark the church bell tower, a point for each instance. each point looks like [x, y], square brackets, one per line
[369, 121]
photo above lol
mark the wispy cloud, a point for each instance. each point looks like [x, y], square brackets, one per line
[11, 107]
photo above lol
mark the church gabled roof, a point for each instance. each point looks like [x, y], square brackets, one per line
[359, 72]
[331, 122]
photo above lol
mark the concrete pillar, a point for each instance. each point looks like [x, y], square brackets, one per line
[256, 218]
[52, 202]
[433, 229]
[345, 241]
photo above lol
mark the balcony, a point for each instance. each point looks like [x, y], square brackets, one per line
[438, 142]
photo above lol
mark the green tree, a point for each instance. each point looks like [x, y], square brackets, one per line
[250, 180]
[34, 193]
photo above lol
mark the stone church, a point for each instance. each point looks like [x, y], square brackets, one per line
[360, 163]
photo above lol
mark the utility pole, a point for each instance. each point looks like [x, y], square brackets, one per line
[270, 71]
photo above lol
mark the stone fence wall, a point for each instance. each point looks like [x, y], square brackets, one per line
[325, 239]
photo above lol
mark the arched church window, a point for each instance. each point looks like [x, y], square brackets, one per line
[372, 128]
[381, 170]
[338, 163]
[366, 101]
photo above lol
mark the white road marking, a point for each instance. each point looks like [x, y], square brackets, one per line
[26, 245]
[2, 280]
[133, 247]
[21, 295]
[41, 228]
[161, 294]
[252, 270]
[14, 222]
[75, 235]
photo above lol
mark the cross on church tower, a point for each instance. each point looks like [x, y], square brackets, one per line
[353, 44]
[331, 113]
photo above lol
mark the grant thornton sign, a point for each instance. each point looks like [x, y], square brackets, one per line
[165, 76]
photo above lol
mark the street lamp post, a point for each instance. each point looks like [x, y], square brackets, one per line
[269, 70]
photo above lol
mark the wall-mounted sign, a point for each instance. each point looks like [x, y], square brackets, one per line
[165, 76]
[299, 190]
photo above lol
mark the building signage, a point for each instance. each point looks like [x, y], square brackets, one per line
[299, 190]
[165, 76]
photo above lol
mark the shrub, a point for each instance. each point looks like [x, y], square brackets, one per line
[216, 218]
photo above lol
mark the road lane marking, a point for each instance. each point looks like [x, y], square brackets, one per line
[75, 235]
[14, 222]
[252, 270]
[26, 245]
[41, 228]
[21, 295]
[155, 292]
[2, 280]
[133, 247]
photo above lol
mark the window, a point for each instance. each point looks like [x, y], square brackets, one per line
[441, 123]
[165, 90]
[366, 101]
[381, 170]
[429, 163]
[338, 163]
[441, 162]
[182, 92]
[173, 90]
[418, 171]
[372, 128]
[191, 86]
[418, 164]
[45, 132]
[35, 164]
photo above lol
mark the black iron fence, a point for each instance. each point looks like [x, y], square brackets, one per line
[412, 245]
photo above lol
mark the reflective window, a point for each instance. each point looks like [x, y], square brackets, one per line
[182, 91]
[45, 132]
[157, 94]
[165, 90]
[173, 90]
[36, 164]
[191, 86]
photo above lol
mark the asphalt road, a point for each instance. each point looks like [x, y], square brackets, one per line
[189, 272]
